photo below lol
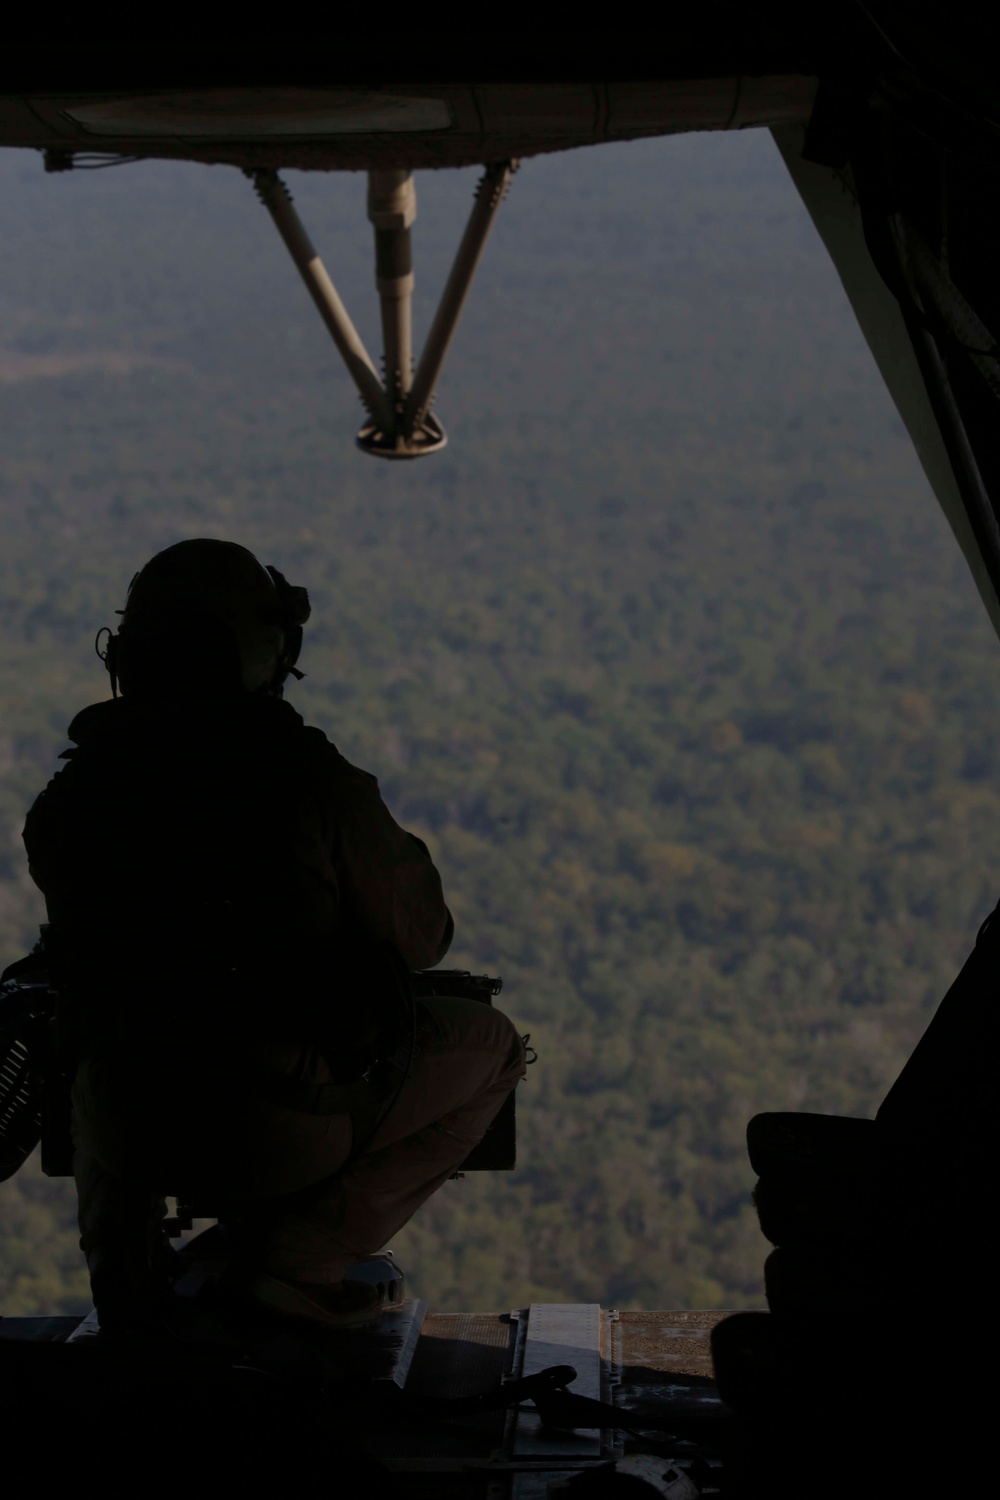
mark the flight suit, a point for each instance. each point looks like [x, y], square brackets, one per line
[207, 860]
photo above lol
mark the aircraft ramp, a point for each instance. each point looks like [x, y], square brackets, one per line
[654, 1368]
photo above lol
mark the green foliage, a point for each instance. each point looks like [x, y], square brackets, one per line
[41, 1268]
[670, 656]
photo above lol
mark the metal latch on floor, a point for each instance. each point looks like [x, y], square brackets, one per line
[400, 421]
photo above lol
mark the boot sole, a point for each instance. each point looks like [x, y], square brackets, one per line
[282, 1297]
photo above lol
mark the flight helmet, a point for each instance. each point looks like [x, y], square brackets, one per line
[205, 616]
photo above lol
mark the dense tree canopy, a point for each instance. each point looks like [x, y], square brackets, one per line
[670, 655]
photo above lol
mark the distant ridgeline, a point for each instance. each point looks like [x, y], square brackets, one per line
[670, 657]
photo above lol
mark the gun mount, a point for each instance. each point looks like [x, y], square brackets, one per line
[400, 422]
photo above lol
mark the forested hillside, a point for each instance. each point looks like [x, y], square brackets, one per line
[670, 655]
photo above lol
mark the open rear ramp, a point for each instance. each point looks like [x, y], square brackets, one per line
[402, 1395]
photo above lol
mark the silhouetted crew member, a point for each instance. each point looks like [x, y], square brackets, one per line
[216, 874]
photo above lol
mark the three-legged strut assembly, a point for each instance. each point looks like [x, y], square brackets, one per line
[400, 421]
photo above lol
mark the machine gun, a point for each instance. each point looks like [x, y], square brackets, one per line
[35, 1078]
[456, 983]
[28, 1075]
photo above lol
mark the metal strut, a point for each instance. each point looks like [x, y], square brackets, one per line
[400, 421]
[278, 202]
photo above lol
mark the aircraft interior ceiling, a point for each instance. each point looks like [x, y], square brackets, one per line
[409, 124]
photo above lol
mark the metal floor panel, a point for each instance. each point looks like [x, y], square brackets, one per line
[669, 1342]
[459, 1354]
[664, 1365]
[561, 1333]
[38, 1330]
